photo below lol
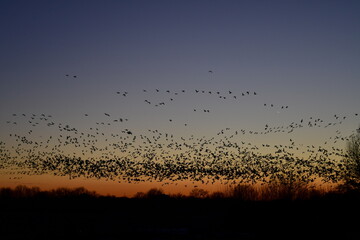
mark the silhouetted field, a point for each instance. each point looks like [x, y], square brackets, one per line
[28, 213]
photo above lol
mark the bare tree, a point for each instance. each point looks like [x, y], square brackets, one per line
[352, 161]
[199, 193]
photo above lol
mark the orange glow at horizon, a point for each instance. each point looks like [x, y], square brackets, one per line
[122, 189]
[105, 187]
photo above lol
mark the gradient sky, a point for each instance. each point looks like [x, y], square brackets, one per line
[302, 54]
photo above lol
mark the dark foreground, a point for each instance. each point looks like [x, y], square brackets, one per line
[121, 218]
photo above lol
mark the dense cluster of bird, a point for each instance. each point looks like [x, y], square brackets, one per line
[156, 155]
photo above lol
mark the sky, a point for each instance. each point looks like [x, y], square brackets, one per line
[300, 56]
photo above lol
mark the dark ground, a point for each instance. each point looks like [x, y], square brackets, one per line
[115, 218]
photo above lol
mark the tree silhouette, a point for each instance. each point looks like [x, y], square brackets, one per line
[352, 162]
[199, 193]
[156, 193]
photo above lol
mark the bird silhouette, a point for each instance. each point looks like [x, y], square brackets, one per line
[128, 155]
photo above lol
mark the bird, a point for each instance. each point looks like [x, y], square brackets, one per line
[226, 154]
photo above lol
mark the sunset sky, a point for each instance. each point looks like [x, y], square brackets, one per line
[302, 57]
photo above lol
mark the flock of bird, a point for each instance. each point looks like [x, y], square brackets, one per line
[51, 147]
[230, 95]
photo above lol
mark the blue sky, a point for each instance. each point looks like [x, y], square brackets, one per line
[304, 54]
